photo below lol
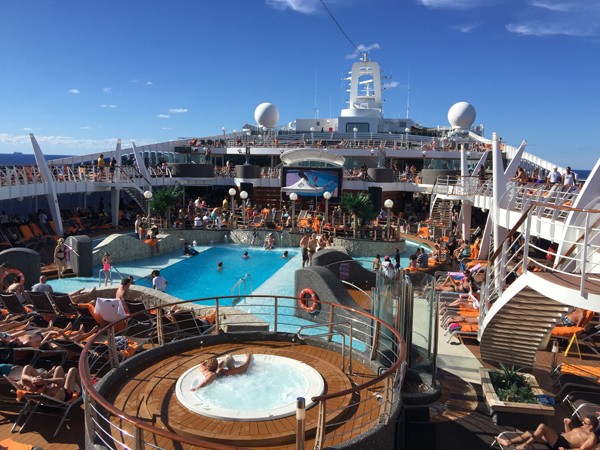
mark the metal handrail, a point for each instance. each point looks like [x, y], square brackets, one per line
[238, 284]
[141, 426]
[331, 333]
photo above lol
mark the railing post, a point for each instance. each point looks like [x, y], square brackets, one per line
[502, 268]
[275, 316]
[584, 253]
[89, 426]
[526, 245]
[112, 348]
[375, 346]
[159, 326]
[320, 434]
[138, 439]
[300, 422]
[330, 327]
[217, 320]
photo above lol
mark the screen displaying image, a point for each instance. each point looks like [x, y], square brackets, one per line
[306, 182]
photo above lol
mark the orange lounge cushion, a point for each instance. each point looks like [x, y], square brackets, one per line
[566, 331]
[469, 328]
[9, 444]
[584, 371]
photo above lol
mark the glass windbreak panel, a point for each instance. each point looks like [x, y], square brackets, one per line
[361, 127]
[442, 164]
[385, 307]
[422, 326]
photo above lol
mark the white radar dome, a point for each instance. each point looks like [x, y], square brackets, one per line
[267, 115]
[462, 115]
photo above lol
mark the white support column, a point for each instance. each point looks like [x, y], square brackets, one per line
[47, 178]
[466, 205]
[118, 155]
[498, 190]
[464, 165]
[115, 195]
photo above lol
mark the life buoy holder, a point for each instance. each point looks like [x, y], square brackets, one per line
[304, 301]
[16, 273]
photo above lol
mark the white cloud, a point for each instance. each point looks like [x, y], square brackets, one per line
[301, 6]
[464, 28]
[167, 128]
[74, 91]
[175, 111]
[63, 145]
[149, 83]
[390, 84]
[452, 4]
[538, 28]
[163, 116]
[27, 129]
[85, 128]
[135, 81]
[579, 18]
[363, 49]
[107, 106]
[561, 7]
[112, 106]
[106, 90]
[103, 106]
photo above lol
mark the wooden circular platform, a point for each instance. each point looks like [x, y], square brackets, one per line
[150, 395]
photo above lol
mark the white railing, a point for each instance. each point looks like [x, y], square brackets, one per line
[456, 185]
[579, 261]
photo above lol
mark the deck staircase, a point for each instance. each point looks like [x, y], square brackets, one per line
[137, 195]
[441, 212]
[515, 332]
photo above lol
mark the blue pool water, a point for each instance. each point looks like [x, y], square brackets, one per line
[197, 277]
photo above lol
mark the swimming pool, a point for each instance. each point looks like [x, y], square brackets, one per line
[198, 277]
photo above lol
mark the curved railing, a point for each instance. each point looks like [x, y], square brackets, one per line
[377, 394]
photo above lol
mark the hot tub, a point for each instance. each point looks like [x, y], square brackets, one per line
[268, 390]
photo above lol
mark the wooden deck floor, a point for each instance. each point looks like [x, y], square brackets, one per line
[148, 394]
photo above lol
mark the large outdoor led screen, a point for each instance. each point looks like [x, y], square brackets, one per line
[306, 181]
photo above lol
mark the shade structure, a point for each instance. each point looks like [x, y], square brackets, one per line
[295, 156]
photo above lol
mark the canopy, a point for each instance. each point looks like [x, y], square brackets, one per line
[302, 185]
[292, 157]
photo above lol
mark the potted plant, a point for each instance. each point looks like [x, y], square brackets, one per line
[361, 208]
[164, 200]
[511, 397]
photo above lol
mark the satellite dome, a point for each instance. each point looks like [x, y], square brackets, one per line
[267, 115]
[462, 115]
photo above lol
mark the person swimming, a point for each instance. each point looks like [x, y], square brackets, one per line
[285, 254]
[246, 256]
[220, 265]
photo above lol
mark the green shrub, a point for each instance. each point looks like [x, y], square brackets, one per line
[512, 386]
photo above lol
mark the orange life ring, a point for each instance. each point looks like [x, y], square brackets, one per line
[17, 273]
[303, 300]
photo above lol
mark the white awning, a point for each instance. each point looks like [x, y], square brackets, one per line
[302, 186]
[298, 155]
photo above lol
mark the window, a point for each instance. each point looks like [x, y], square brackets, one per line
[361, 127]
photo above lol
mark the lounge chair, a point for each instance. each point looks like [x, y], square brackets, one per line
[63, 305]
[42, 304]
[583, 403]
[13, 305]
[44, 404]
[512, 435]
[187, 324]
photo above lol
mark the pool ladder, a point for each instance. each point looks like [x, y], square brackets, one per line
[238, 285]
[110, 281]
[331, 333]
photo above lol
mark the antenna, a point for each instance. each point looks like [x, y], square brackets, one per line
[408, 94]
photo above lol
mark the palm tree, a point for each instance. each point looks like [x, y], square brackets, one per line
[360, 206]
[164, 200]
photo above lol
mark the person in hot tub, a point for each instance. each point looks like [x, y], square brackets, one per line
[211, 369]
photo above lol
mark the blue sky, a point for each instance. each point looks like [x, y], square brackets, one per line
[80, 74]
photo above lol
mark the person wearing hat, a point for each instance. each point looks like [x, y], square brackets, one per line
[388, 268]
[554, 177]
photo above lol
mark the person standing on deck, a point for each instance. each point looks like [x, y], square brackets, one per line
[304, 247]
[158, 282]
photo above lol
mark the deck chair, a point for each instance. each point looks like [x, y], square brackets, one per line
[42, 304]
[84, 316]
[583, 403]
[40, 234]
[512, 435]
[188, 325]
[44, 404]
[63, 305]
[13, 305]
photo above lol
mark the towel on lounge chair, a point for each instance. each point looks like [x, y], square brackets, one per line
[111, 309]
[9, 444]
[576, 369]
[570, 331]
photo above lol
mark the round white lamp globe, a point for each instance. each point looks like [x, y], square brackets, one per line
[267, 115]
[232, 192]
[389, 204]
[244, 195]
[293, 196]
[148, 195]
[461, 115]
[327, 195]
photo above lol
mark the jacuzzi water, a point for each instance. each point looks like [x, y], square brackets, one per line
[266, 385]
[268, 390]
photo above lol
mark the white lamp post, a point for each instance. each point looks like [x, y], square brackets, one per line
[148, 196]
[326, 196]
[293, 198]
[389, 204]
[232, 193]
[244, 196]
[224, 130]
[312, 135]
[248, 134]
[355, 131]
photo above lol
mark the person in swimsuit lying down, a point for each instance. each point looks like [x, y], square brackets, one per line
[582, 438]
[211, 369]
[573, 319]
[52, 383]
[451, 284]
[472, 300]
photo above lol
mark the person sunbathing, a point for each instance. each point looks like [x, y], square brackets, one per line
[211, 369]
[582, 437]
[53, 383]
[79, 297]
[452, 284]
[471, 302]
[70, 336]
[573, 319]
[30, 338]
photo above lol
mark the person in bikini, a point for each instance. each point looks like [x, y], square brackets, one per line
[582, 438]
[53, 383]
[18, 289]
[212, 369]
[60, 259]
